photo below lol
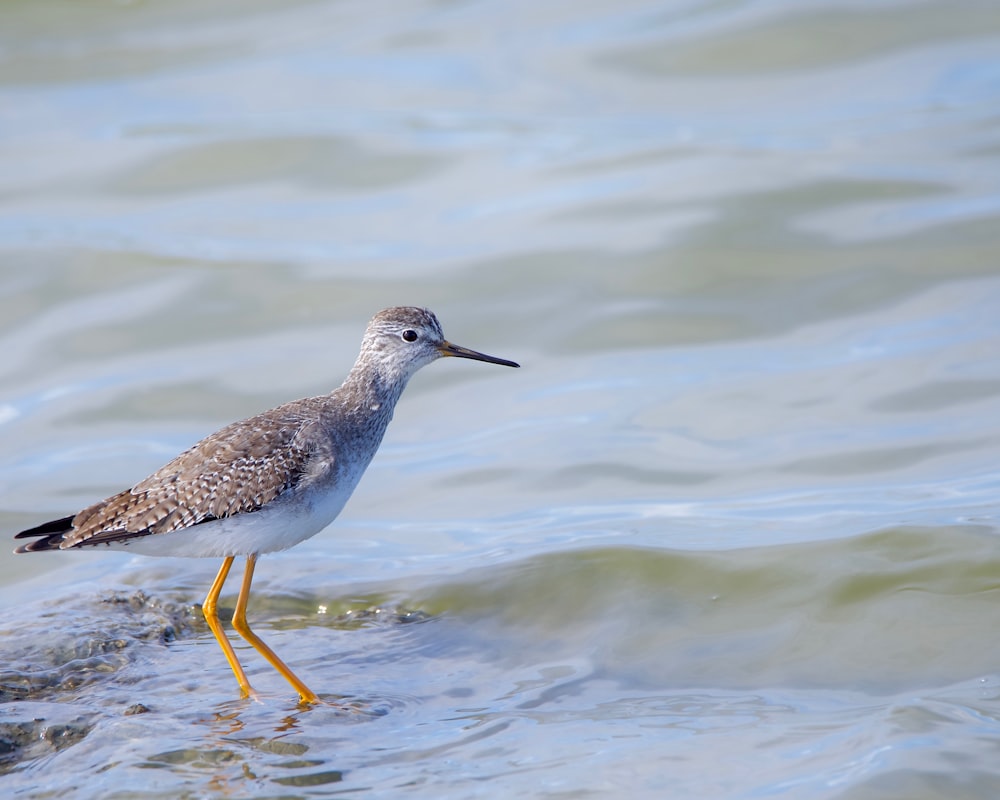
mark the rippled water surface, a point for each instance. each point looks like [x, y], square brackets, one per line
[730, 532]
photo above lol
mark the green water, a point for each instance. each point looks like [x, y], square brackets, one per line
[803, 658]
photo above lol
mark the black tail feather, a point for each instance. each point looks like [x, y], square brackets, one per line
[51, 534]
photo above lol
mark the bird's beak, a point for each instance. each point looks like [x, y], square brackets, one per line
[449, 349]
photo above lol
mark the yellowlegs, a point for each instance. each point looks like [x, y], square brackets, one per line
[268, 482]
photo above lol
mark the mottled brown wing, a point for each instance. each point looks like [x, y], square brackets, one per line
[238, 469]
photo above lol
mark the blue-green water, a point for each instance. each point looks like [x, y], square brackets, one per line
[730, 532]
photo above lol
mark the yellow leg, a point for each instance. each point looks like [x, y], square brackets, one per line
[210, 608]
[243, 628]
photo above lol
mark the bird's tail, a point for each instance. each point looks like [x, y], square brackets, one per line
[49, 535]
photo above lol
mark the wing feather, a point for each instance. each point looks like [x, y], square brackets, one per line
[237, 470]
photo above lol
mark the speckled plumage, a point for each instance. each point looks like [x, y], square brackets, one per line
[247, 465]
[237, 470]
[269, 481]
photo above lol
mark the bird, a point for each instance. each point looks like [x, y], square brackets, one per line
[267, 482]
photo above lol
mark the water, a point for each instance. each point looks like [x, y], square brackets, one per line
[730, 531]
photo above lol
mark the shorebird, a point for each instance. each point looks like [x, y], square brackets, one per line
[265, 483]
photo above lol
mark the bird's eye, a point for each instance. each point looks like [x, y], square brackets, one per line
[409, 336]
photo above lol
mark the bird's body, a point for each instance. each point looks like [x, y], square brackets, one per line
[265, 483]
[268, 482]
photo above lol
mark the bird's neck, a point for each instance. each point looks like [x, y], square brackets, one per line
[365, 403]
[369, 388]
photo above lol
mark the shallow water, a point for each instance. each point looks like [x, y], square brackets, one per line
[729, 532]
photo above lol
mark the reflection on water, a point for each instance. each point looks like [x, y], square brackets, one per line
[740, 500]
[799, 645]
